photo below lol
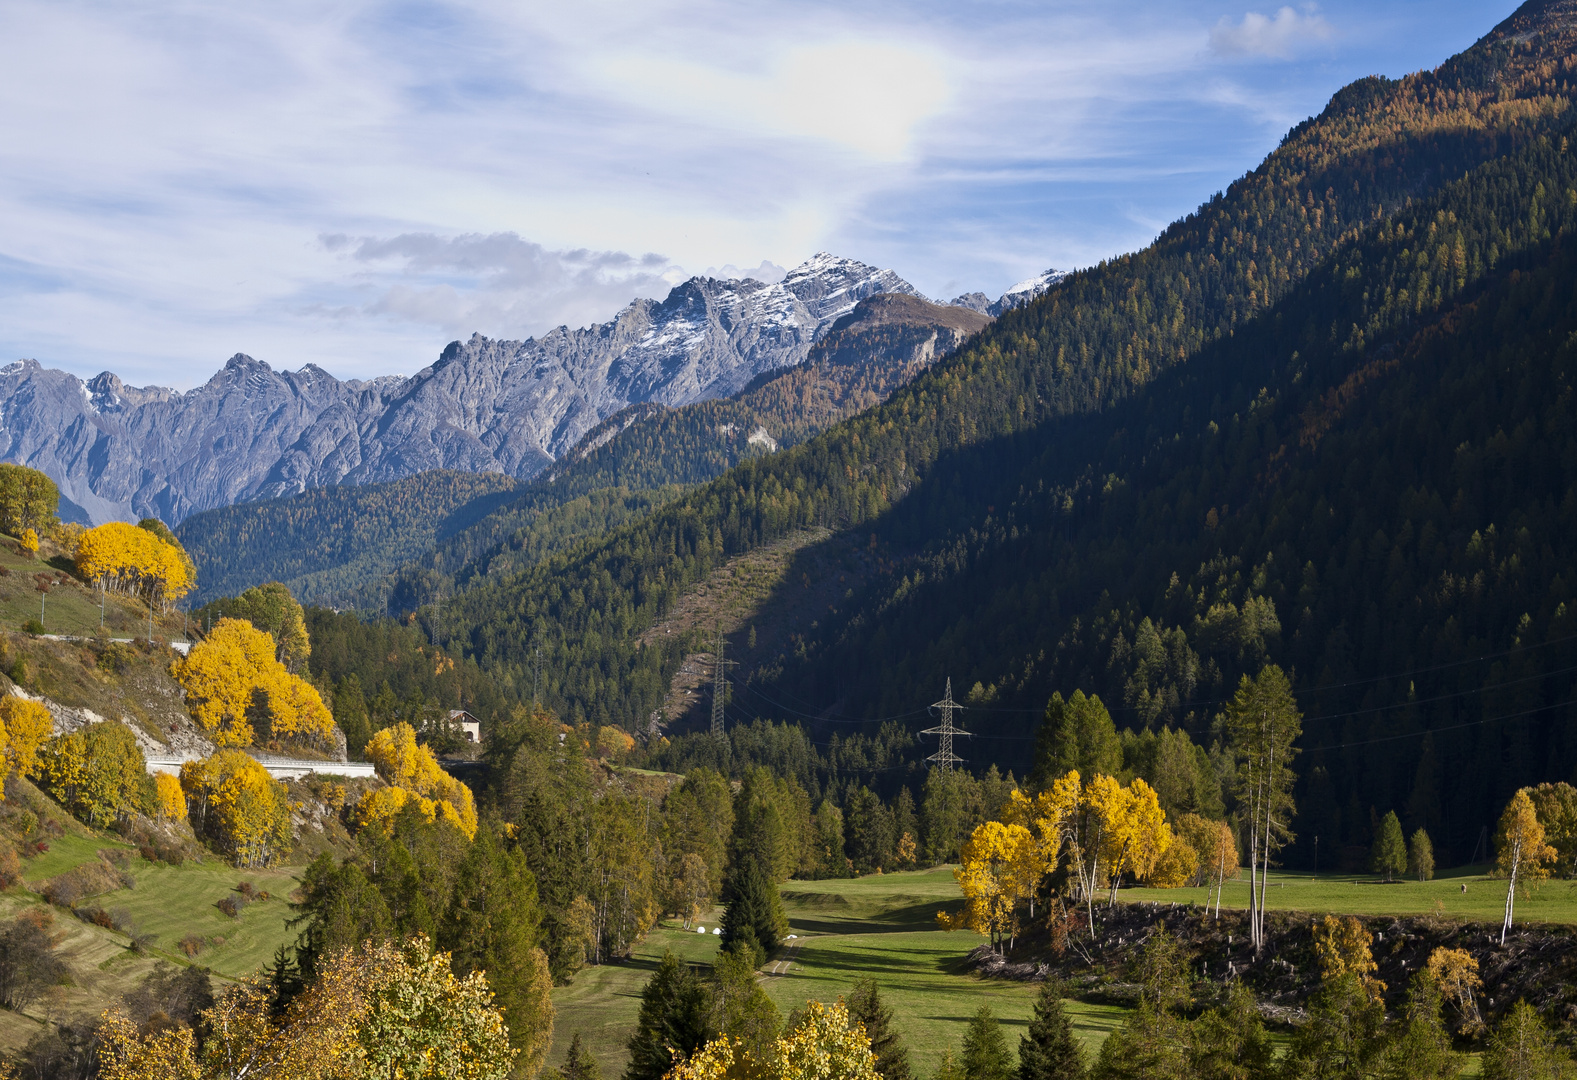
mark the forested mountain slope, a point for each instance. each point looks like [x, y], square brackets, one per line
[646, 454]
[327, 543]
[339, 545]
[1353, 247]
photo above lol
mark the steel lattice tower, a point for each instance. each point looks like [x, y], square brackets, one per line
[944, 756]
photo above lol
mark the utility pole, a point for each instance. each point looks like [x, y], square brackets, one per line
[944, 758]
[719, 681]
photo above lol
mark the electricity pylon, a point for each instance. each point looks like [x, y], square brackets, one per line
[944, 756]
[719, 681]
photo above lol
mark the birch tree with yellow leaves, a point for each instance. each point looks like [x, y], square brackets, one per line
[999, 865]
[126, 558]
[1520, 851]
[826, 1045]
[238, 807]
[236, 685]
[413, 774]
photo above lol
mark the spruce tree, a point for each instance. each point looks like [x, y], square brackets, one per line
[1389, 856]
[753, 917]
[985, 1051]
[579, 1064]
[673, 1019]
[865, 1007]
[1050, 1050]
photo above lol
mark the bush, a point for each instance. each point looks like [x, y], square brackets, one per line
[232, 905]
[116, 657]
[34, 627]
[10, 868]
[81, 882]
[192, 944]
[28, 963]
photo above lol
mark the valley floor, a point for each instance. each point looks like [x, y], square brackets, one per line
[883, 926]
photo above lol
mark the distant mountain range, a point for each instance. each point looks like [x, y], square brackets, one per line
[512, 407]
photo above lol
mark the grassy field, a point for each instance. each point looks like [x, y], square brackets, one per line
[882, 926]
[1483, 900]
[70, 608]
[169, 903]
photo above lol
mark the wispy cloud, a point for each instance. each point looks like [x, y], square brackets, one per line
[509, 285]
[171, 170]
[1278, 36]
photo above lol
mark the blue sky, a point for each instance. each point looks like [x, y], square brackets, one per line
[355, 184]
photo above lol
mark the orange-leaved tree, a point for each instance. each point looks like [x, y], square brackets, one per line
[235, 685]
[125, 558]
[411, 768]
[238, 807]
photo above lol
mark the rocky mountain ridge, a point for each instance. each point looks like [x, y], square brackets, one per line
[486, 405]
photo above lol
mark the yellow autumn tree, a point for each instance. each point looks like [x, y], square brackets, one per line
[411, 770]
[383, 1010]
[1456, 973]
[24, 727]
[95, 772]
[998, 866]
[1342, 945]
[238, 807]
[1520, 851]
[827, 1044]
[124, 558]
[235, 685]
[169, 796]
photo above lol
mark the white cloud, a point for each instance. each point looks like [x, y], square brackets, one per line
[1278, 36]
[170, 169]
[499, 281]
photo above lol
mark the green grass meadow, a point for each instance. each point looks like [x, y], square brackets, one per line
[1482, 900]
[883, 926]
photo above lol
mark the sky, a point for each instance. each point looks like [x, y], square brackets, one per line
[355, 184]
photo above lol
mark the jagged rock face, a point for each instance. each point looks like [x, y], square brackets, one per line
[250, 432]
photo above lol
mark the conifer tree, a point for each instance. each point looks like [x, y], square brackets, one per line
[1422, 1049]
[753, 918]
[865, 1007]
[1421, 857]
[985, 1050]
[673, 1020]
[579, 1064]
[1050, 1050]
[1389, 855]
[1524, 1048]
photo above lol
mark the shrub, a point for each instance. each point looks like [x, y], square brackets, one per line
[10, 868]
[232, 905]
[28, 964]
[90, 879]
[116, 657]
[192, 944]
[34, 627]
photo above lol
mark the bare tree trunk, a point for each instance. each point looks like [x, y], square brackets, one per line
[1511, 889]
